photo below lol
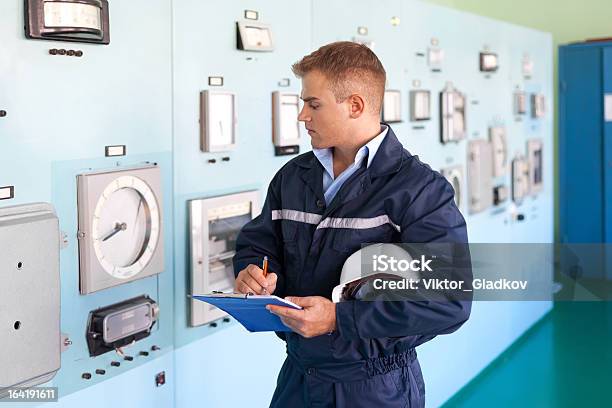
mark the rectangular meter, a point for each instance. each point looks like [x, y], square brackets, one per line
[68, 20]
[527, 67]
[488, 62]
[435, 58]
[452, 115]
[520, 178]
[497, 137]
[218, 121]
[286, 128]
[392, 106]
[420, 105]
[538, 106]
[214, 224]
[536, 165]
[520, 103]
[254, 36]
[120, 324]
[480, 176]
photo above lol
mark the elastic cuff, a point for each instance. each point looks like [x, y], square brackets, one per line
[345, 320]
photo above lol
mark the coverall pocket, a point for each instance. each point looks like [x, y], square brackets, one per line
[417, 384]
[387, 390]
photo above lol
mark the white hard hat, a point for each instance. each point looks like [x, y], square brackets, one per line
[360, 265]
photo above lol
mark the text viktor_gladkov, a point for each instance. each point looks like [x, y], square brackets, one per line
[448, 284]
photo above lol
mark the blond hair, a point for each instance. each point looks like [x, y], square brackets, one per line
[348, 67]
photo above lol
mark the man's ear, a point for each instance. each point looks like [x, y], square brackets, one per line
[356, 105]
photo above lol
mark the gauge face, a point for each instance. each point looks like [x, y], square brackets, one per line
[63, 14]
[125, 227]
[456, 183]
[259, 36]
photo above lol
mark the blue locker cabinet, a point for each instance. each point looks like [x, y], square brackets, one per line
[585, 146]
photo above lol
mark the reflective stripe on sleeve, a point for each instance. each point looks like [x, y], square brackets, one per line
[298, 216]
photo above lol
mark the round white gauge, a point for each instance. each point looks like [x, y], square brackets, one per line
[455, 179]
[125, 226]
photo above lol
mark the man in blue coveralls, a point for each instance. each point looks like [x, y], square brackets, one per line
[357, 185]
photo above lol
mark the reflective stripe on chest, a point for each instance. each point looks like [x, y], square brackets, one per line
[333, 222]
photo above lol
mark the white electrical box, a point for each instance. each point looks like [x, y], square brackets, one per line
[285, 125]
[480, 176]
[214, 224]
[392, 106]
[454, 175]
[254, 36]
[497, 137]
[218, 121]
[536, 165]
[452, 115]
[538, 106]
[420, 105]
[29, 295]
[520, 178]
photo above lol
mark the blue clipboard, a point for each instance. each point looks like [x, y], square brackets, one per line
[250, 310]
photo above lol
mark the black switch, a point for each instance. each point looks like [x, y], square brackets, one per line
[155, 348]
[213, 324]
[115, 363]
[320, 203]
[128, 358]
[144, 353]
[520, 217]
[100, 371]
[2, 113]
[86, 376]
[160, 379]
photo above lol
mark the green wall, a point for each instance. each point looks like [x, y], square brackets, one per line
[568, 21]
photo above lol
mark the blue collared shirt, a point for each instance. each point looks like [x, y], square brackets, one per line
[331, 185]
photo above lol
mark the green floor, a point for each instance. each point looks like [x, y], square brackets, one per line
[565, 360]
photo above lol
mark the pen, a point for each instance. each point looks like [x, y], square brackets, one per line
[265, 267]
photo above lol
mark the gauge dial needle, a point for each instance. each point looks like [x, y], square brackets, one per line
[118, 227]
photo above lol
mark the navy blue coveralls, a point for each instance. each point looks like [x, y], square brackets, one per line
[370, 360]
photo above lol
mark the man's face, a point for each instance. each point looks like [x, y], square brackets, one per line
[326, 120]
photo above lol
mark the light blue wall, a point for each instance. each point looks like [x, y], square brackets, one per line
[143, 91]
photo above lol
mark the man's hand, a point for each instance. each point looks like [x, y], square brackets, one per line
[318, 316]
[251, 280]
